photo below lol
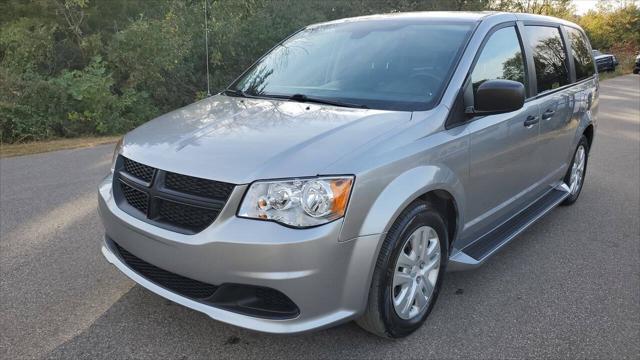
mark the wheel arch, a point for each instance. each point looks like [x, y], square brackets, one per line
[589, 133]
[445, 204]
[436, 184]
[586, 127]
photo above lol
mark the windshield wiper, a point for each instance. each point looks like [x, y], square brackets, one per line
[235, 92]
[312, 99]
[294, 97]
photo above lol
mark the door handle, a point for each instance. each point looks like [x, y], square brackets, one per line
[548, 114]
[531, 120]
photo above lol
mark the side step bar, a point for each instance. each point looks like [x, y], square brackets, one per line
[474, 254]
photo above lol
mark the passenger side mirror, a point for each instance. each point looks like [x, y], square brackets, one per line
[496, 97]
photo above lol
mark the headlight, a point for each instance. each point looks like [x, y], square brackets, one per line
[298, 202]
[116, 152]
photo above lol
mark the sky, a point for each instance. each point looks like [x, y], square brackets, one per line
[582, 6]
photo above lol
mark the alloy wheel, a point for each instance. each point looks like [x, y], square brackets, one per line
[416, 273]
[577, 170]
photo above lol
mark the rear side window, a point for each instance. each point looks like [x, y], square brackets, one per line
[501, 58]
[549, 57]
[581, 55]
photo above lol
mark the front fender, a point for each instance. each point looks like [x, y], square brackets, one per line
[406, 188]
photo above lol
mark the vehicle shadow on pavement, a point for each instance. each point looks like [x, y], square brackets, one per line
[510, 303]
[141, 324]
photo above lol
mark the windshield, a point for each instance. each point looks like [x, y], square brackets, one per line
[383, 64]
[596, 52]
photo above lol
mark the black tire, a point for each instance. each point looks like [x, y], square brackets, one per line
[380, 317]
[567, 178]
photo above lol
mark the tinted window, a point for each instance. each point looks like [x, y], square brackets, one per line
[385, 64]
[549, 57]
[501, 58]
[581, 55]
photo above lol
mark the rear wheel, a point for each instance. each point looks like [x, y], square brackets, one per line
[575, 174]
[408, 273]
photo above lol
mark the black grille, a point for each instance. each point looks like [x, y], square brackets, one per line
[140, 171]
[174, 282]
[197, 186]
[187, 216]
[136, 198]
[173, 201]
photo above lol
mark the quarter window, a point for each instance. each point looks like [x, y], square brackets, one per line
[501, 58]
[581, 55]
[549, 57]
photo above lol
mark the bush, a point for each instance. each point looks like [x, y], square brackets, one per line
[149, 56]
[77, 102]
[28, 107]
[92, 108]
[26, 45]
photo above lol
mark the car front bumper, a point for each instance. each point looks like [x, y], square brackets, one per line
[327, 279]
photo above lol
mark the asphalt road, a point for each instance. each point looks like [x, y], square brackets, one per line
[568, 287]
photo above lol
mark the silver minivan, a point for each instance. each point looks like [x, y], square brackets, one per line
[348, 168]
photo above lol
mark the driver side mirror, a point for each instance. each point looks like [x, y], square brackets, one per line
[497, 97]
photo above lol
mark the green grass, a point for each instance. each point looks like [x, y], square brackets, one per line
[9, 150]
[611, 74]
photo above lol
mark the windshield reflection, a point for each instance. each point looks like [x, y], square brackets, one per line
[384, 64]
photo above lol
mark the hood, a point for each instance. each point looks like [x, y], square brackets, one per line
[239, 140]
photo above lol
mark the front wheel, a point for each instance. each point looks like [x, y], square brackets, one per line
[408, 273]
[575, 175]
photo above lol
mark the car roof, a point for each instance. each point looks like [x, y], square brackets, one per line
[458, 16]
[470, 16]
[544, 18]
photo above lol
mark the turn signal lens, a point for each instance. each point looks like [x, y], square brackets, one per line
[341, 191]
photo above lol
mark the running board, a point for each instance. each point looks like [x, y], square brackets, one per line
[474, 254]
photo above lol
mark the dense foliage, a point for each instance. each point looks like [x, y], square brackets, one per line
[97, 67]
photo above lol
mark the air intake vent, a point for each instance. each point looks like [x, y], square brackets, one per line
[256, 301]
[174, 282]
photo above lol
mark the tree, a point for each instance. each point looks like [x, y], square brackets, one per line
[559, 8]
[80, 67]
